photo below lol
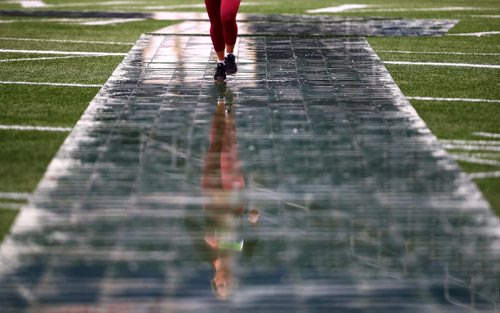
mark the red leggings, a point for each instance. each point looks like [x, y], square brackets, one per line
[223, 28]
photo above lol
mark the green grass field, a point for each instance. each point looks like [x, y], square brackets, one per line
[24, 155]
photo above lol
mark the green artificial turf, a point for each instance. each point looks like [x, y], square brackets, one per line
[446, 82]
[447, 119]
[127, 32]
[24, 156]
[43, 105]
[91, 70]
[490, 188]
[7, 217]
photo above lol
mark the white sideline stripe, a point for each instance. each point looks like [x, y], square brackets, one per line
[471, 142]
[488, 135]
[194, 6]
[339, 8]
[35, 128]
[14, 195]
[485, 175]
[471, 147]
[436, 52]
[31, 3]
[51, 84]
[481, 155]
[442, 9]
[112, 21]
[489, 66]
[48, 58]
[454, 99]
[486, 16]
[474, 160]
[68, 41]
[62, 52]
[478, 34]
[11, 206]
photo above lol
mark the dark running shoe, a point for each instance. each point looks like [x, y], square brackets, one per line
[220, 72]
[230, 62]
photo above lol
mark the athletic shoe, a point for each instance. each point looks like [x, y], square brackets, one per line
[220, 72]
[230, 62]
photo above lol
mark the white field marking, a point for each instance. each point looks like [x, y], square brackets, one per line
[478, 34]
[193, 6]
[84, 4]
[339, 8]
[442, 9]
[40, 20]
[69, 41]
[474, 160]
[471, 142]
[11, 206]
[36, 128]
[481, 155]
[485, 175]
[454, 99]
[48, 58]
[485, 16]
[14, 195]
[471, 147]
[489, 66]
[63, 52]
[437, 52]
[487, 135]
[112, 21]
[51, 84]
[31, 4]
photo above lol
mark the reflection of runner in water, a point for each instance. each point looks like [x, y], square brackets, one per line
[222, 183]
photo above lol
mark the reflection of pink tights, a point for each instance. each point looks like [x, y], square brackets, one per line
[223, 28]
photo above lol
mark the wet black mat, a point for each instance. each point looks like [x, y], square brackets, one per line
[307, 183]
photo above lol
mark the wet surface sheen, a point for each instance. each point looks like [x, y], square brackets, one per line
[307, 183]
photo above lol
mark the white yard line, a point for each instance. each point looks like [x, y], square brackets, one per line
[50, 84]
[488, 66]
[112, 21]
[478, 34]
[471, 142]
[487, 135]
[36, 128]
[85, 4]
[437, 52]
[10, 205]
[474, 160]
[485, 175]
[454, 99]
[481, 155]
[14, 195]
[471, 147]
[69, 41]
[339, 8]
[196, 6]
[62, 52]
[31, 3]
[47, 58]
[485, 16]
[441, 9]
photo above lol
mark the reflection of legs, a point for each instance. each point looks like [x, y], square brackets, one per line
[212, 167]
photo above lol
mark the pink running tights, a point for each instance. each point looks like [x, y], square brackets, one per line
[223, 28]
